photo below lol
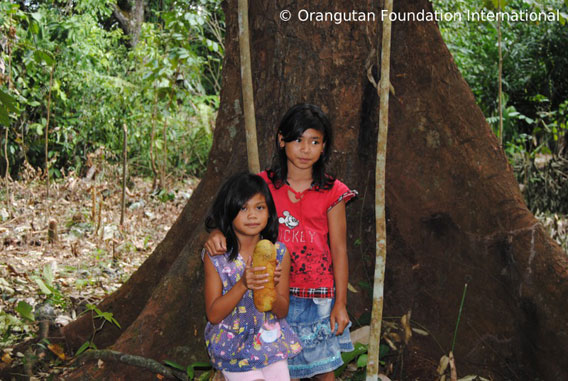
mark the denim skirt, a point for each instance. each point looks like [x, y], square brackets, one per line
[321, 348]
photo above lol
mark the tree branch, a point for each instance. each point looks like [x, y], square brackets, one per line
[138, 361]
[122, 19]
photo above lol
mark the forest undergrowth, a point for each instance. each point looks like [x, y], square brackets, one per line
[61, 253]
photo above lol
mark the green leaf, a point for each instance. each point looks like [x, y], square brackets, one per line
[48, 275]
[206, 376]
[25, 310]
[175, 365]
[4, 117]
[44, 56]
[362, 361]
[350, 356]
[42, 286]
[384, 350]
[83, 348]
[8, 101]
[197, 365]
[7, 105]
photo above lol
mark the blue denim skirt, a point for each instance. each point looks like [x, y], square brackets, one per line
[321, 348]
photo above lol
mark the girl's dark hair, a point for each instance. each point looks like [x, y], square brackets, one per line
[234, 193]
[294, 123]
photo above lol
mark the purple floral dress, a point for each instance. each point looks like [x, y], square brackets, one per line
[247, 339]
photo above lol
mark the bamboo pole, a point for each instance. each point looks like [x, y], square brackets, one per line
[248, 94]
[381, 231]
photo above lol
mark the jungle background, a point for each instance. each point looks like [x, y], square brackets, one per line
[75, 75]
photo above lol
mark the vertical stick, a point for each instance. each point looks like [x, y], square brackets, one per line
[500, 101]
[152, 134]
[47, 131]
[165, 145]
[381, 231]
[7, 174]
[248, 95]
[124, 151]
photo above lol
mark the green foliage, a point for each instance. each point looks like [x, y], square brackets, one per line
[99, 84]
[97, 314]
[48, 288]
[535, 67]
[535, 86]
[359, 357]
[105, 316]
[13, 329]
[25, 311]
[190, 369]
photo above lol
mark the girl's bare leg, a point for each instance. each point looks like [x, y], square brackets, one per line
[330, 376]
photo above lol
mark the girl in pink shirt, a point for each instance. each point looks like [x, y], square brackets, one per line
[311, 213]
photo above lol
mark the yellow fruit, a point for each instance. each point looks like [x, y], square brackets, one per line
[265, 256]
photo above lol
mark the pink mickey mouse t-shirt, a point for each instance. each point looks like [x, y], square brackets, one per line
[304, 230]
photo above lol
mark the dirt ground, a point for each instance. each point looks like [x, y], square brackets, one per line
[90, 254]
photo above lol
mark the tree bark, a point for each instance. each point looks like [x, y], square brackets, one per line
[130, 15]
[454, 210]
[378, 294]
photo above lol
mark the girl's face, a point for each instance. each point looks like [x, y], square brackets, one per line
[306, 150]
[252, 218]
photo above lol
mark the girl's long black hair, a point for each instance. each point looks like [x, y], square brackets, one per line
[234, 193]
[298, 119]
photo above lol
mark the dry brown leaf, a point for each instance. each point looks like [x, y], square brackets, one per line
[443, 365]
[351, 288]
[390, 343]
[394, 337]
[6, 358]
[57, 350]
[421, 332]
[405, 322]
[453, 370]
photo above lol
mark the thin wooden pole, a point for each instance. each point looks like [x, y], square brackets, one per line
[124, 159]
[7, 173]
[500, 102]
[47, 131]
[381, 231]
[248, 94]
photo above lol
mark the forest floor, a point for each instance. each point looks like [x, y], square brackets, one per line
[90, 255]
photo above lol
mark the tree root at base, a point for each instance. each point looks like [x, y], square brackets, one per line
[138, 361]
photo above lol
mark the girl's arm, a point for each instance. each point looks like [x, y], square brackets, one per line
[216, 243]
[336, 221]
[280, 305]
[219, 306]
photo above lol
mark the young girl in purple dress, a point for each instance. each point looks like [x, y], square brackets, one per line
[243, 343]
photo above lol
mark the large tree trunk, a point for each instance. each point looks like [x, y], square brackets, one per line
[454, 210]
[130, 15]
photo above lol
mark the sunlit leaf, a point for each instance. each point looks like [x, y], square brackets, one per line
[42, 286]
[25, 310]
[57, 350]
[362, 361]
